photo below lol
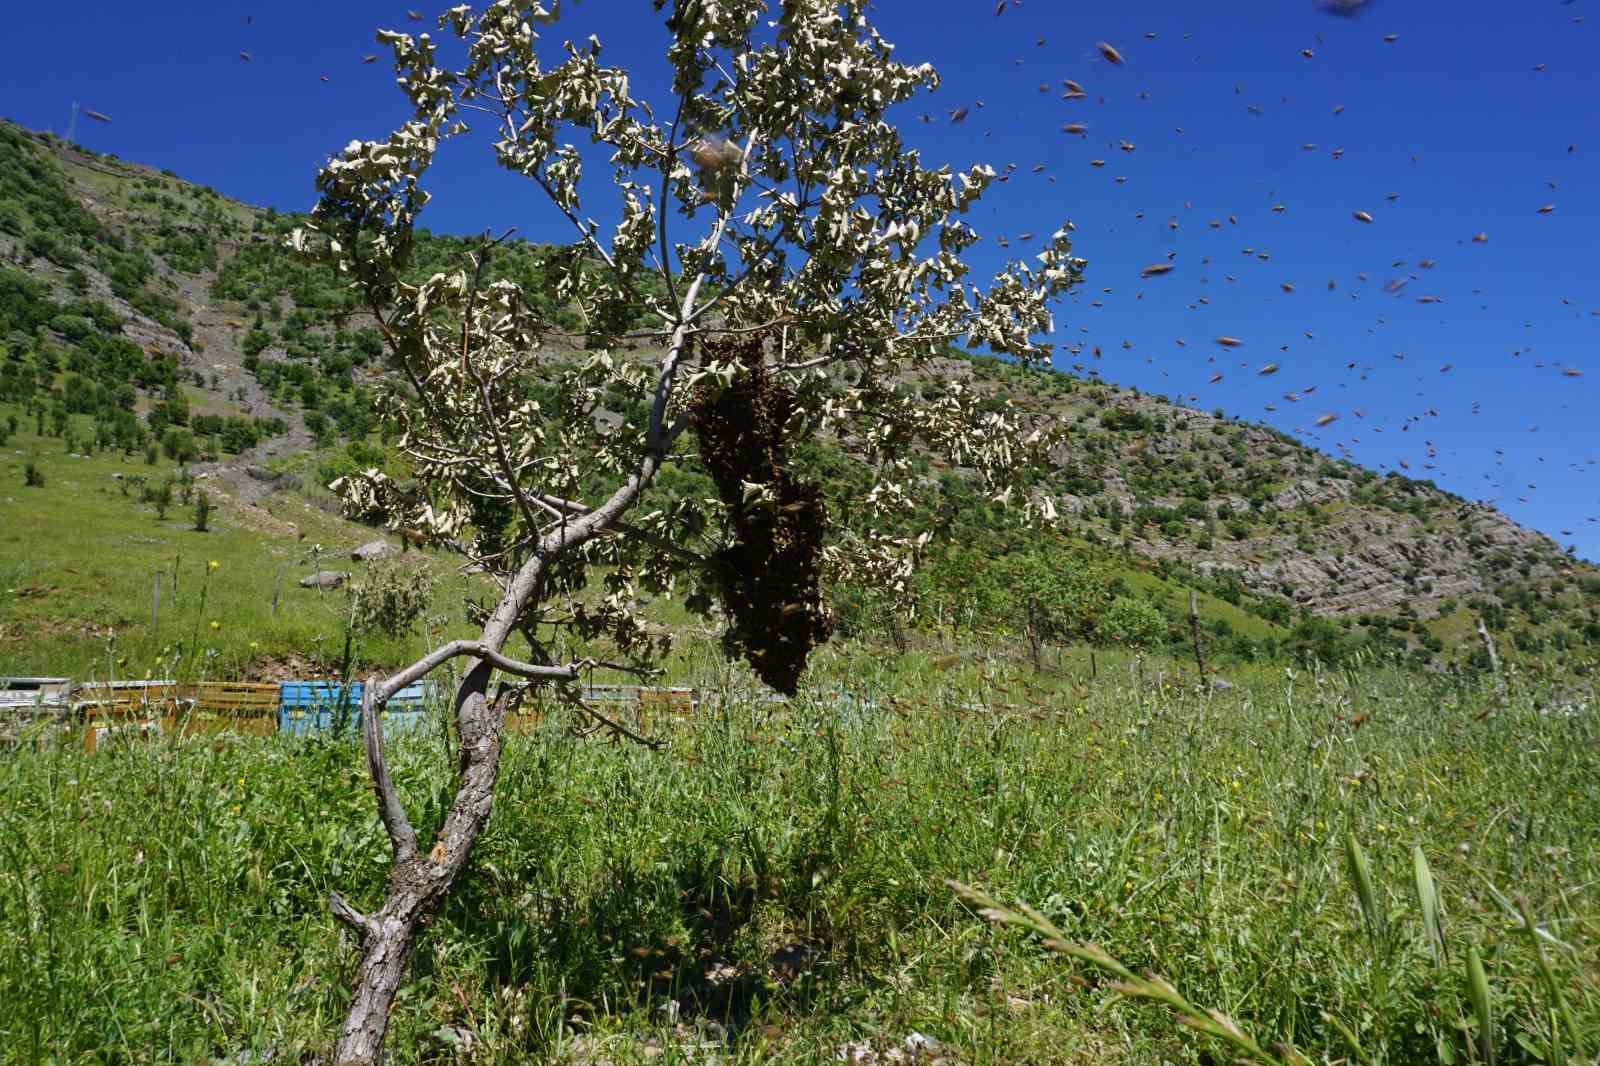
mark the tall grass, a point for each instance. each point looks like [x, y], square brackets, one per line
[773, 885]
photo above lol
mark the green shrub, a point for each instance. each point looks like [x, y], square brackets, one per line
[1132, 622]
[178, 444]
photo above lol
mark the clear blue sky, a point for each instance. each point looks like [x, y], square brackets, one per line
[1452, 116]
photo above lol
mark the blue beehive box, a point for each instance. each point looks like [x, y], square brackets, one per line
[307, 706]
[407, 710]
[413, 696]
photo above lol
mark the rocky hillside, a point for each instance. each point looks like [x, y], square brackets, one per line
[173, 315]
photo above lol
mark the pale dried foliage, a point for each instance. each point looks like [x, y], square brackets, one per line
[390, 597]
[778, 205]
[777, 199]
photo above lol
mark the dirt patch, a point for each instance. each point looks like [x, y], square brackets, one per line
[56, 629]
[288, 667]
[259, 519]
[294, 666]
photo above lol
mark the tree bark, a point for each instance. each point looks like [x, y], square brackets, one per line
[419, 883]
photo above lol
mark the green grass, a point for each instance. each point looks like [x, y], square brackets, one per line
[778, 873]
[1175, 597]
[78, 560]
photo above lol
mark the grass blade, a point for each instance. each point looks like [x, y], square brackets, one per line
[1478, 988]
[1428, 901]
[1558, 1005]
[1361, 877]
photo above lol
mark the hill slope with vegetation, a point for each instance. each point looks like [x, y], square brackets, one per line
[160, 340]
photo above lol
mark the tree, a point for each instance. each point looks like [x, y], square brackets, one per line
[1132, 622]
[785, 253]
[178, 444]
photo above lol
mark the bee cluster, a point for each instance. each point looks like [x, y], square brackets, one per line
[767, 580]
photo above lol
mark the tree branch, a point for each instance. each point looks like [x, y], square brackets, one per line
[667, 161]
[357, 922]
[502, 457]
[660, 543]
[478, 650]
[390, 810]
[687, 313]
[617, 727]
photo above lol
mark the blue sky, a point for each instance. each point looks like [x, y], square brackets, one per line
[1452, 116]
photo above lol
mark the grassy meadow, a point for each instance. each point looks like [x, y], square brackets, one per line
[79, 557]
[771, 886]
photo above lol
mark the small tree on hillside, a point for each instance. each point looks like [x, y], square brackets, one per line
[787, 256]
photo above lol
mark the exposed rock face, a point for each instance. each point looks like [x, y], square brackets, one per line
[325, 579]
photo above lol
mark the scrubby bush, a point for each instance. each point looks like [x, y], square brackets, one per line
[1132, 622]
[160, 496]
[178, 444]
[389, 598]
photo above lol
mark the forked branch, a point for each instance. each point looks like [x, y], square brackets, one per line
[478, 650]
[401, 835]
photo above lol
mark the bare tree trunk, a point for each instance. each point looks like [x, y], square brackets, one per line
[891, 624]
[419, 883]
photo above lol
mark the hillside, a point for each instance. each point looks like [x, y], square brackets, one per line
[142, 314]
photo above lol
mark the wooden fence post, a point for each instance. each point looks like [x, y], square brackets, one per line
[1033, 636]
[1494, 657]
[1194, 630]
[155, 602]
